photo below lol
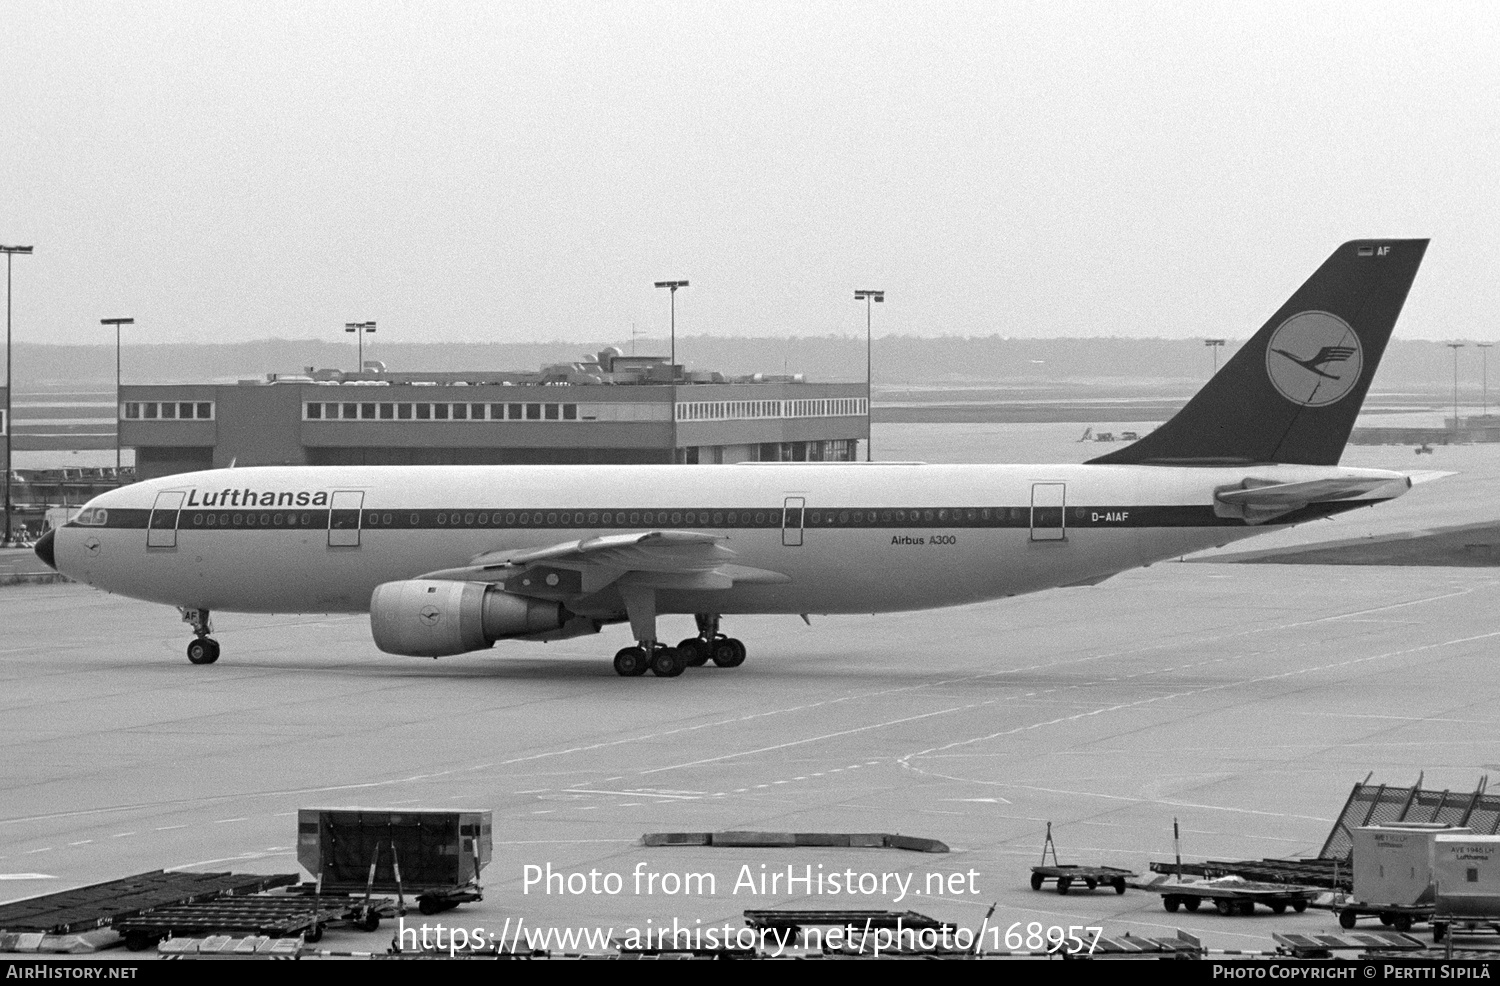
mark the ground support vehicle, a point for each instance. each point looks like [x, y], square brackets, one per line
[1398, 916]
[1452, 925]
[1091, 877]
[270, 916]
[1232, 895]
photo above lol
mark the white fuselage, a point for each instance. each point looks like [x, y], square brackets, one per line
[849, 538]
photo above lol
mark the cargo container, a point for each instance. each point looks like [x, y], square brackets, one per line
[434, 855]
[1393, 863]
[1467, 870]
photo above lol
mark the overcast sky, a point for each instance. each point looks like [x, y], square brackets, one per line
[516, 171]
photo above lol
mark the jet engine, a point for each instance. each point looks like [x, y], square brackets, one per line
[433, 618]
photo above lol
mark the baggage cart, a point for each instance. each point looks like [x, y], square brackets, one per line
[434, 855]
[1066, 876]
[1232, 895]
[266, 916]
[1091, 877]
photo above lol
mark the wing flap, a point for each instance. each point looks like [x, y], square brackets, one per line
[654, 559]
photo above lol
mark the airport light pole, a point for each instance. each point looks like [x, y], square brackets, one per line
[117, 322]
[1455, 346]
[9, 251]
[1484, 376]
[1214, 346]
[673, 286]
[359, 329]
[868, 297]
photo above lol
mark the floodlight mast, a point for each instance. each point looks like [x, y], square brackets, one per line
[868, 297]
[359, 329]
[9, 251]
[119, 411]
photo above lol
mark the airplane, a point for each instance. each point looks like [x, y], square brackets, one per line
[451, 559]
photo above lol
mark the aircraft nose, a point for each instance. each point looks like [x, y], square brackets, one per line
[44, 549]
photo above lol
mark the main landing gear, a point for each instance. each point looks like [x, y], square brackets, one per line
[204, 649]
[694, 652]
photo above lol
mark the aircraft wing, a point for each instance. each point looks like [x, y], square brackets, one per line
[570, 569]
[1257, 502]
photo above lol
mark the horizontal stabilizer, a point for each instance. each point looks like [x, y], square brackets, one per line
[1257, 501]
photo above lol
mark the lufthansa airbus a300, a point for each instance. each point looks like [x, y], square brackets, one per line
[448, 560]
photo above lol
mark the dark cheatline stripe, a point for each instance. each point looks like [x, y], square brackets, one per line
[713, 518]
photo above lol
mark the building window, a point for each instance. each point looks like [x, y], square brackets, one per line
[551, 410]
[440, 412]
[570, 412]
[132, 410]
[387, 412]
[533, 412]
[424, 412]
[403, 412]
[460, 412]
[513, 412]
[367, 412]
[497, 412]
[350, 413]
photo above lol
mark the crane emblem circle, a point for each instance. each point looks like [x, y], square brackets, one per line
[430, 615]
[1314, 359]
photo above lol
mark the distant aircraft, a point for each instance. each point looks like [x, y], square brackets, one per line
[450, 559]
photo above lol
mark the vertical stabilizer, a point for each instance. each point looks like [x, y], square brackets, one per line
[1292, 392]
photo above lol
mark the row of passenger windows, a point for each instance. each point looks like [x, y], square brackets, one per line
[428, 411]
[737, 410]
[276, 519]
[596, 518]
[168, 411]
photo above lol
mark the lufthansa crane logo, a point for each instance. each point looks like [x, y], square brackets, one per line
[430, 616]
[1314, 359]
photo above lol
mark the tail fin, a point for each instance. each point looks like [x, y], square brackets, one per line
[1292, 392]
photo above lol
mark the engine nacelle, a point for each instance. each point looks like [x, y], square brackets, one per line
[433, 618]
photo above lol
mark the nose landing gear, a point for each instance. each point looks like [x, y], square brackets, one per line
[203, 649]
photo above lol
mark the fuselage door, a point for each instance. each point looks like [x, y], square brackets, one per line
[161, 529]
[343, 518]
[1048, 511]
[791, 521]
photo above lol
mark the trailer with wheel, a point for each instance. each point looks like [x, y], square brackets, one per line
[1091, 877]
[1398, 916]
[272, 916]
[1232, 895]
[1070, 875]
[433, 855]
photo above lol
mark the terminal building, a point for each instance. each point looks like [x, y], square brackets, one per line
[609, 408]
